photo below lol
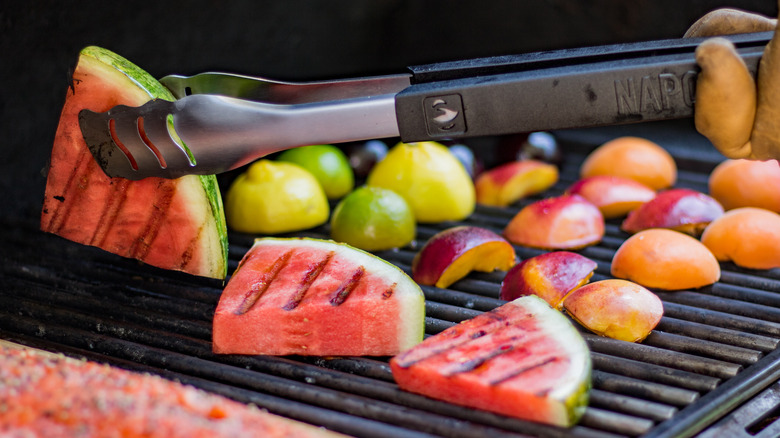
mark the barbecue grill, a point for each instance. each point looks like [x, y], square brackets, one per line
[714, 350]
[712, 366]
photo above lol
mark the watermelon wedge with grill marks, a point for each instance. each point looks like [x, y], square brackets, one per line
[523, 359]
[318, 298]
[171, 224]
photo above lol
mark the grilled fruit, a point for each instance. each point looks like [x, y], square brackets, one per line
[684, 210]
[618, 309]
[665, 259]
[172, 224]
[550, 276]
[747, 236]
[510, 182]
[635, 158]
[523, 359]
[746, 183]
[563, 222]
[451, 254]
[615, 196]
[318, 298]
[46, 395]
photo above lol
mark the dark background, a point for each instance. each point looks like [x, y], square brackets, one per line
[287, 40]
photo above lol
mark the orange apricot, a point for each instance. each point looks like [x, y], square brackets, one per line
[747, 236]
[746, 183]
[635, 158]
[665, 259]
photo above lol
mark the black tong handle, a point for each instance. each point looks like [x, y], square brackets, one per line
[563, 89]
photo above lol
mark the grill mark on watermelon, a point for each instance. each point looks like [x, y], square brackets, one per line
[308, 278]
[474, 363]
[519, 371]
[189, 252]
[259, 287]
[389, 291]
[345, 288]
[110, 210]
[62, 209]
[165, 191]
[452, 338]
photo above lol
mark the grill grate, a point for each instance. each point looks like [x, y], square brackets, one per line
[714, 349]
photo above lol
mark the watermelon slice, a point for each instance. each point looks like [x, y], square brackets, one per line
[172, 224]
[318, 298]
[523, 359]
[45, 395]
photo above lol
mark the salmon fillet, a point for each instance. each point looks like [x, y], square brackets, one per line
[48, 395]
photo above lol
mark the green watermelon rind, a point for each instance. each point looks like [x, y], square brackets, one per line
[156, 90]
[556, 324]
[414, 299]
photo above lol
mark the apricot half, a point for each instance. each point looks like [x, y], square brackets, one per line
[665, 259]
[634, 158]
[683, 210]
[746, 183]
[615, 196]
[510, 182]
[747, 236]
[550, 276]
[451, 254]
[618, 309]
[563, 222]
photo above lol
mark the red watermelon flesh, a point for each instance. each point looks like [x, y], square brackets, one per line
[318, 298]
[172, 224]
[523, 359]
[47, 395]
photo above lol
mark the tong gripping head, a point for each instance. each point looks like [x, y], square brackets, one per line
[137, 142]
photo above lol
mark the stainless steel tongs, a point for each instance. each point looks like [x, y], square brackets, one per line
[220, 121]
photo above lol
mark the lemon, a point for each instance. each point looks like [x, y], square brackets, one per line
[328, 164]
[430, 178]
[275, 197]
[373, 219]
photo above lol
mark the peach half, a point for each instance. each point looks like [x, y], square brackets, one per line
[615, 196]
[615, 308]
[665, 259]
[510, 182]
[550, 276]
[634, 158]
[683, 210]
[747, 236]
[451, 254]
[746, 183]
[563, 222]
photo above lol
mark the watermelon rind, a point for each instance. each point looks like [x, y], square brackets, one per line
[201, 195]
[156, 90]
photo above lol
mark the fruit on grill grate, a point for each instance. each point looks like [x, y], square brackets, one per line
[274, 197]
[684, 210]
[563, 222]
[431, 179]
[746, 183]
[451, 254]
[747, 236]
[550, 276]
[328, 164]
[635, 158]
[615, 308]
[615, 196]
[319, 298]
[172, 224]
[665, 259]
[510, 182]
[523, 359]
[47, 395]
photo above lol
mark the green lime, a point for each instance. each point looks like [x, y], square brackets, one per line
[373, 219]
[275, 197]
[328, 164]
